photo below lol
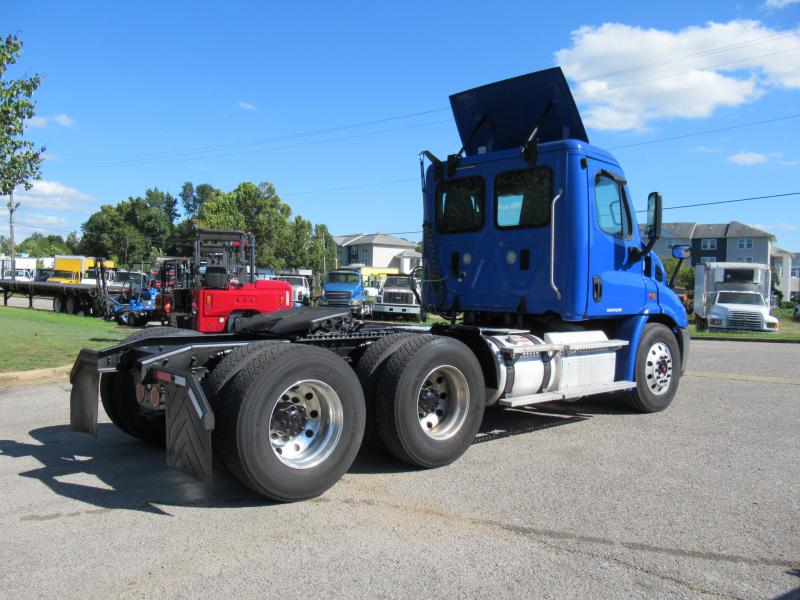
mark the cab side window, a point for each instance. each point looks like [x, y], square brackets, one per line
[611, 207]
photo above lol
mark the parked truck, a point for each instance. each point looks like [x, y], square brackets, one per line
[532, 253]
[398, 297]
[733, 296]
[345, 287]
[24, 269]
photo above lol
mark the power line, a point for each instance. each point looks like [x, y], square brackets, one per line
[147, 158]
[273, 149]
[704, 132]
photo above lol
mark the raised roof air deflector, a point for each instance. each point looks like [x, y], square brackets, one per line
[512, 108]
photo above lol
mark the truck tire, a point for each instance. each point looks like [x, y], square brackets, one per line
[700, 324]
[118, 395]
[369, 371]
[58, 303]
[232, 362]
[430, 401]
[71, 305]
[291, 421]
[657, 370]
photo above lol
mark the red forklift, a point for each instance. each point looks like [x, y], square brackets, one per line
[218, 285]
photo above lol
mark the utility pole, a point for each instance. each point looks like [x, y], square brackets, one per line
[11, 210]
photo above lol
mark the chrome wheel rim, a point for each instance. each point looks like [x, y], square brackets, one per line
[305, 424]
[658, 368]
[442, 402]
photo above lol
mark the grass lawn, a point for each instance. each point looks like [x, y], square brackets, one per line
[789, 330]
[37, 339]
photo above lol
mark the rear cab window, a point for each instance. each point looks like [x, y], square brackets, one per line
[460, 205]
[522, 198]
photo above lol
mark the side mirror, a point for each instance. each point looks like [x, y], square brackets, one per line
[681, 252]
[654, 210]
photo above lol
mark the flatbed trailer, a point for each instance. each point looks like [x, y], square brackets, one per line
[72, 298]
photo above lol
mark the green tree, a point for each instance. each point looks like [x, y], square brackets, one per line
[163, 201]
[73, 242]
[41, 245]
[685, 277]
[5, 245]
[20, 162]
[126, 232]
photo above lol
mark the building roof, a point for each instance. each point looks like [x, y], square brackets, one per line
[691, 230]
[682, 230]
[375, 239]
[410, 254]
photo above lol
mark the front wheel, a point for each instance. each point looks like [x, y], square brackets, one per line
[657, 370]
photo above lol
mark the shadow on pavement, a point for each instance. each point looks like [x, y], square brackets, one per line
[116, 471]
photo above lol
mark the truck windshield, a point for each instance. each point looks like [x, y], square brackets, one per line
[397, 282]
[292, 280]
[740, 298]
[63, 274]
[344, 277]
[460, 205]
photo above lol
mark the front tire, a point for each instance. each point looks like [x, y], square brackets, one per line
[291, 421]
[58, 304]
[430, 401]
[657, 370]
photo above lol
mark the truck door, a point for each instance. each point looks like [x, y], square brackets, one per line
[616, 283]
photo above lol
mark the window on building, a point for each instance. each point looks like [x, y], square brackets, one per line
[352, 255]
[708, 244]
[613, 213]
[745, 259]
[707, 259]
[745, 243]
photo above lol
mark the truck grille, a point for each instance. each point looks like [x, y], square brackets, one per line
[398, 298]
[338, 297]
[744, 320]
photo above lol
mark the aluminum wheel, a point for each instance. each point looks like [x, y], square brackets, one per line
[442, 402]
[306, 424]
[658, 368]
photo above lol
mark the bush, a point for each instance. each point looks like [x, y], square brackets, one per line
[788, 304]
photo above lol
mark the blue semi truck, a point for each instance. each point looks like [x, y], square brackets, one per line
[533, 254]
[344, 287]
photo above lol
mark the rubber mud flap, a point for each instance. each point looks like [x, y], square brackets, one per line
[83, 398]
[190, 421]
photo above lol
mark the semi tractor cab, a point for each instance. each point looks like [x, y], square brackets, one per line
[531, 251]
[345, 287]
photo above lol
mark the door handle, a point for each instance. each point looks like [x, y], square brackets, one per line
[597, 288]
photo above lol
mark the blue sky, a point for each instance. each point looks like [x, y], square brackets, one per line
[155, 94]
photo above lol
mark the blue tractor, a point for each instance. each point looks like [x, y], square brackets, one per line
[533, 255]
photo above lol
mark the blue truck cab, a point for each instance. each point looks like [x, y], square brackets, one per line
[345, 287]
[531, 227]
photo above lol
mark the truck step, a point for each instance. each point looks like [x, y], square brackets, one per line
[573, 392]
[572, 348]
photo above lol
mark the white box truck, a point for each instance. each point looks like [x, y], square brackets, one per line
[733, 296]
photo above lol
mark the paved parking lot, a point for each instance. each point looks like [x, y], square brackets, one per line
[566, 500]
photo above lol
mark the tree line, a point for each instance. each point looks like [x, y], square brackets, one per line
[138, 229]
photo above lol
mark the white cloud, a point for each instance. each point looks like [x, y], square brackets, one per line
[705, 149]
[779, 4]
[783, 227]
[626, 77]
[64, 120]
[247, 106]
[748, 159]
[52, 195]
[60, 119]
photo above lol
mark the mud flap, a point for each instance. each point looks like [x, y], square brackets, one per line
[83, 399]
[190, 421]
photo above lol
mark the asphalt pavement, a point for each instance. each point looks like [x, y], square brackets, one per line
[565, 500]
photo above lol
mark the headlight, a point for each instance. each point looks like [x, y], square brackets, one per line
[713, 321]
[357, 302]
[772, 325]
[378, 299]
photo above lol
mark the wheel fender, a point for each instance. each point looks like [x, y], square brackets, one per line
[630, 329]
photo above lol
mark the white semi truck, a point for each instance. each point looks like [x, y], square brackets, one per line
[733, 296]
